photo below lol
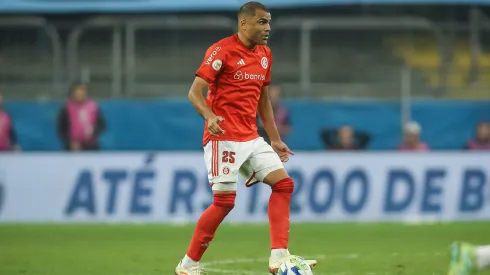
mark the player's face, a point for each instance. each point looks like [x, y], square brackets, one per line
[483, 131]
[80, 93]
[258, 27]
[346, 135]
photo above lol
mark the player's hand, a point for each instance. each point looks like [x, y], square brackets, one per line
[282, 150]
[213, 126]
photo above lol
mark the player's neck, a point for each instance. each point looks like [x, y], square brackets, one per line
[245, 41]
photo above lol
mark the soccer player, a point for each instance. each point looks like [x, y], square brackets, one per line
[468, 259]
[237, 72]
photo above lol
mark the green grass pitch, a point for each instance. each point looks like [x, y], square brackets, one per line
[341, 249]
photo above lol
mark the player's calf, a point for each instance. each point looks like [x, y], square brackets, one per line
[206, 227]
[278, 211]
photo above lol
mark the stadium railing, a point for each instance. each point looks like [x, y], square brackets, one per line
[328, 57]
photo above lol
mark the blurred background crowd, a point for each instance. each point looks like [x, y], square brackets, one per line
[346, 76]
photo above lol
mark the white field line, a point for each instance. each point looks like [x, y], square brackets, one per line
[213, 266]
[210, 266]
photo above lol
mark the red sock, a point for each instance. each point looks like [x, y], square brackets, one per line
[279, 206]
[207, 224]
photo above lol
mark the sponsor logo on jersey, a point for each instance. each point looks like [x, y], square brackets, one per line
[212, 55]
[241, 62]
[239, 75]
[264, 62]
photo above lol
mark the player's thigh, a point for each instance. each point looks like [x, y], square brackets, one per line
[248, 174]
[223, 164]
[275, 176]
[251, 177]
[266, 164]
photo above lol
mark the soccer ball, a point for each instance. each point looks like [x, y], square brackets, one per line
[294, 265]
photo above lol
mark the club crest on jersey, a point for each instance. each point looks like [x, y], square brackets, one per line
[264, 62]
[217, 64]
[226, 170]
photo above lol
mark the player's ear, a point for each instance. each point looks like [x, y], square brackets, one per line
[242, 22]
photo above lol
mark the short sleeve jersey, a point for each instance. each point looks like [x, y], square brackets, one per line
[236, 75]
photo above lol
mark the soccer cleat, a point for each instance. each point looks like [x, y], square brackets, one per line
[274, 265]
[194, 270]
[463, 259]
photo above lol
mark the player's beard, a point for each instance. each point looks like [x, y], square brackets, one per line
[260, 39]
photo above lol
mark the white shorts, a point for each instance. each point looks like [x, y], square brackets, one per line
[253, 160]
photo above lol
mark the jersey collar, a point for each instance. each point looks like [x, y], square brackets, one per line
[237, 39]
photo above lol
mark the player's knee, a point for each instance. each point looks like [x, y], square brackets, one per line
[222, 187]
[284, 186]
[226, 200]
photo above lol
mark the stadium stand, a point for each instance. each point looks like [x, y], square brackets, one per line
[424, 54]
[165, 61]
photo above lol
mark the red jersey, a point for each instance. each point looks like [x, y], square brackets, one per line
[236, 75]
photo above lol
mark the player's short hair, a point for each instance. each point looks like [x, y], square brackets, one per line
[76, 84]
[250, 8]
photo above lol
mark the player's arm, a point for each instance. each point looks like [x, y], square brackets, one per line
[196, 97]
[266, 112]
[266, 115]
[207, 73]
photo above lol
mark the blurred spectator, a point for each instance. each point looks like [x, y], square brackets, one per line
[482, 138]
[80, 121]
[344, 138]
[8, 137]
[411, 138]
[281, 115]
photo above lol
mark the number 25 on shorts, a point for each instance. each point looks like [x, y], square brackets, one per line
[228, 157]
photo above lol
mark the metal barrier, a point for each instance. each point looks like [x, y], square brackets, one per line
[479, 74]
[116, 25]
[305, 27]
[52, 33]
[298, 69]
[174, 22]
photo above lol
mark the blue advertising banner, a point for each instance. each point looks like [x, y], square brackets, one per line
[173, 188]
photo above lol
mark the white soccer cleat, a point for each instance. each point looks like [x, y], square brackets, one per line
[274, 265]
[194, 270]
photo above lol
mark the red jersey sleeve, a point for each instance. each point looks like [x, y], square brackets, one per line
[267, 81]
[212, 64]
